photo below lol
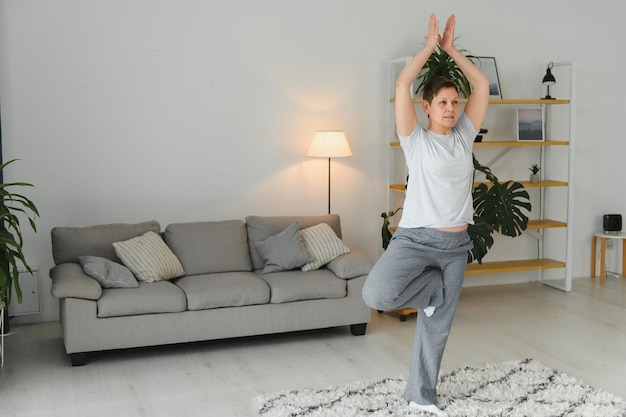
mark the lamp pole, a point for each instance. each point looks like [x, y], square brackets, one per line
[328, 185]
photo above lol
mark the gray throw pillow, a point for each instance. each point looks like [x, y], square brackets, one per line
[350, 265]
[108, 273]
[284, 251]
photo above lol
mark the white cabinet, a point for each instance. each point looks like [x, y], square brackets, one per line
[30, 295]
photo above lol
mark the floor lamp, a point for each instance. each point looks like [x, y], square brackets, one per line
[329, 144]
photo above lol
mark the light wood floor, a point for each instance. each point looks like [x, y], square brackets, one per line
[582, 333]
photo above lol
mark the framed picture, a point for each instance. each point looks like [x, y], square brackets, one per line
[487, 65]
[530, 124]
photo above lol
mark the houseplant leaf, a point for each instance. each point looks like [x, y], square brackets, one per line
[480, 234]
[501, 205]
[13, 206]
[497, 207]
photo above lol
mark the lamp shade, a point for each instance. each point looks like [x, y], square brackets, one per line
[549, 79]
[329, 144]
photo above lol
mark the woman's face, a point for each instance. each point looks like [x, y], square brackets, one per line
[443, 110]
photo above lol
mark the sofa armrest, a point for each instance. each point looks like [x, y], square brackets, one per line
[70, 281]
[350, 265]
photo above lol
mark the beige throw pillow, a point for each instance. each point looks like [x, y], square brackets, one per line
[149, 258]
[323, 244]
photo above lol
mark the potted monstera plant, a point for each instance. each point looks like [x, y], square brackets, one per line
[499, 207]
[13, 206]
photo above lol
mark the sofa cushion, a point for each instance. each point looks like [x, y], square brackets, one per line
[350, 265]
[149, 258]
[147, 298]
[284, 251]
[206, 247]
[323, 244]
[109, 274]
[297, 285]
[262, 227]
[223, 289]
[68, 243]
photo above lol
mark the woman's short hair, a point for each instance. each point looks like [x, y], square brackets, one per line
[433, 86]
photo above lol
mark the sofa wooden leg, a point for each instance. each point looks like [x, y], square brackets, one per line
[78, 359]
[358, 329]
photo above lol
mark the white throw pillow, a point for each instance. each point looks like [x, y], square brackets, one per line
[149, 258]
[323, 244]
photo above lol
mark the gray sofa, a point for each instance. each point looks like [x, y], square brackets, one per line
[229, 288]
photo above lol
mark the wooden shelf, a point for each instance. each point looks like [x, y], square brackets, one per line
[525, 101]
[532, 225]
[489, 143]
[544, 224]
[517, 143]
[512, 266]
[544, 183]
[527, 184]
[397, 187]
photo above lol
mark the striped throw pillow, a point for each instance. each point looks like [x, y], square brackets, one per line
[323, 244]
[149, 258]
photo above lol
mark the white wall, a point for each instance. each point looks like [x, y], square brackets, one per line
[130, 110]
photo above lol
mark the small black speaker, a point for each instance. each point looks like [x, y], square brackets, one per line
[612, 222]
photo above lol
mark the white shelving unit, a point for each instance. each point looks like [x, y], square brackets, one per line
[557, 173]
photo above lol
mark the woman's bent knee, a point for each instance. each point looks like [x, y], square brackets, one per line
[377, 298]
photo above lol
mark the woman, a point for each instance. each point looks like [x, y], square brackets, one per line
[424, 264]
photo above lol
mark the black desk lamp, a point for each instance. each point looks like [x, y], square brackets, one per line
[548, 80]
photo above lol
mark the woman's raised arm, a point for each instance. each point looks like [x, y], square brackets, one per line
[406, 117]
[478, 101]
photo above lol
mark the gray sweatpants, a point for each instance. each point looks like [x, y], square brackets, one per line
[421, 267]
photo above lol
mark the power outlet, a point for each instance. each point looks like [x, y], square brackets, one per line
[610, 244]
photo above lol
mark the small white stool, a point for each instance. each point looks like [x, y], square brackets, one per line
[604, 236]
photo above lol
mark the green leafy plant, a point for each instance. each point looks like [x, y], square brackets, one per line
[498, 207]
[386, 233]
[12, 207]
[439, 64]
[534, 169]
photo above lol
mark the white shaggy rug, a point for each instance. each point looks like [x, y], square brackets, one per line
[509, 389]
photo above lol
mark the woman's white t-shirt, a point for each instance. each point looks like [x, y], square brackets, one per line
[440, 167]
